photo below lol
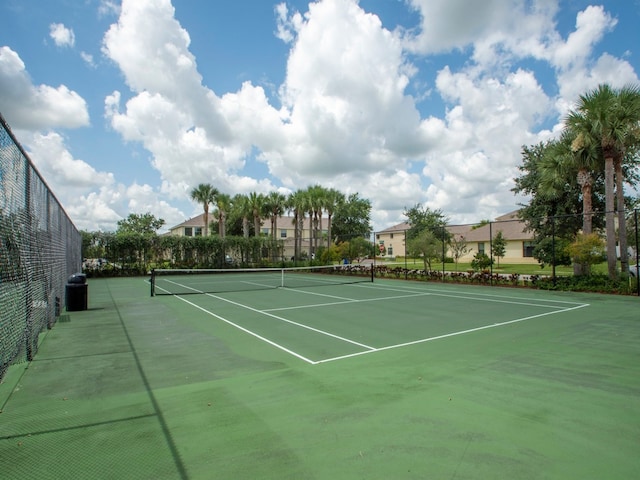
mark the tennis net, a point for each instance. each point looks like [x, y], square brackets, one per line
[205, 280]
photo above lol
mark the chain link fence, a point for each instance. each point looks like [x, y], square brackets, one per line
[39, 248]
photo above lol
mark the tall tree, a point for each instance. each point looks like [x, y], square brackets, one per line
[296, 205]
[553, 211]
[352, 219]
[256, 204]
[205, 194]
[564, 159]
[310, 208]
[274, 207]
[223, 205]
[629, 106]
[333, 198]
[423, 218]
[608, 117]
[240, 206]
[566, 162]
[315, 206]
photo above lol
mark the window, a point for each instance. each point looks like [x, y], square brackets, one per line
[527, 249]
[197, 231]
[283, 233]
[265, 231]
[390, 250]
[480, 247]
[391, 235]
[188, 232]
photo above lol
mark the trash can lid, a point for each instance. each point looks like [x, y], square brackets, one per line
[78, 278]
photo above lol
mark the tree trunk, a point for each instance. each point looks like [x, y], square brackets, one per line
[245, 226]
[206, 220]
[610, 215]
[295, 234]
[256, 225]
[310, 233]
[622, 221]
[300, 228]
[223, 225]
[585, 181]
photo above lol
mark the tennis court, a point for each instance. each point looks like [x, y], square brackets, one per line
[384, 379]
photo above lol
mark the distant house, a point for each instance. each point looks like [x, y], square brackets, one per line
[194, 227]
[391, 240]
[519, 245]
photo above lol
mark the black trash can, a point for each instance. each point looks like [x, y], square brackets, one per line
[76, 292]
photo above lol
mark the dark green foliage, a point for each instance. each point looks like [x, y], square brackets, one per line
[552, 251]
[136, 254]
[351, 217]
[558, 215]
[424, 219]
[585, 283]
[142, 224]
[481, 261]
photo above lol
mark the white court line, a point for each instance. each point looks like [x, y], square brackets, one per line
[322, 332]
[468, 295]
[345, 302]
[301, 325]
[479, 296]
[370, 349]
[264, 339]
[259, 337]
[446, 335]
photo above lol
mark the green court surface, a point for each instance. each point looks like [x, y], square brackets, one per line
[383, 380]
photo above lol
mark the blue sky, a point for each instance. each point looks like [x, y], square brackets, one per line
[124, 107]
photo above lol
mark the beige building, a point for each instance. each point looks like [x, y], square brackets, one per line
[391, 240]
[519, 245]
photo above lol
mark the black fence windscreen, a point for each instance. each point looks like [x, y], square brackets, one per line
[39, 248]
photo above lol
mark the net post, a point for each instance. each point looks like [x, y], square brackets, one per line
[152, 282]
[372, 272]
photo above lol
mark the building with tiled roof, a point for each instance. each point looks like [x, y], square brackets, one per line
[519, 245]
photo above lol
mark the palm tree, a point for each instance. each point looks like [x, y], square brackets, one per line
[274, 207]
[223, 205]
[256, 205]
[240, 203]
[333, 198]
[606, 118]
[205, 194]
[564, 158]
[296, 205]
[319, 198]
[629, 107]
[560, 161]
[313, 206]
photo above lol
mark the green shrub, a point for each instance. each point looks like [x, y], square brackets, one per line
[584, 283]
[481, 261]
